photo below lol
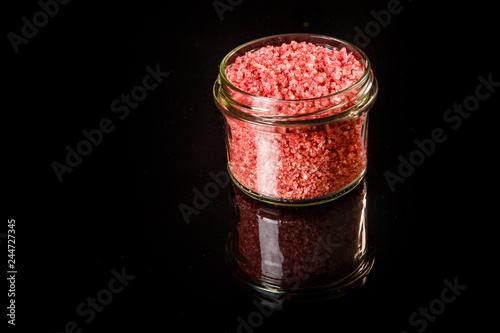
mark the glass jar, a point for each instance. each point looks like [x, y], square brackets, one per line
[299, 253]
[301, 151]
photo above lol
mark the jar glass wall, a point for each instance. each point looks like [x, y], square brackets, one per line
[296, 152]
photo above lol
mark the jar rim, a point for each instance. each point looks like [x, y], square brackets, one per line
[359, 82]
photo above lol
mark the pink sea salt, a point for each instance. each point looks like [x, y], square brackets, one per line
[294, 71]
[298, 162]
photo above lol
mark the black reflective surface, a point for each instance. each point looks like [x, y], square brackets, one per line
[309, 253]
[114, 166]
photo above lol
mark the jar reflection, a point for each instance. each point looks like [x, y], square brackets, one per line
[303, 253]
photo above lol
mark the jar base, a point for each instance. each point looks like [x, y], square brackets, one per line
[275, 295]
[300, 202]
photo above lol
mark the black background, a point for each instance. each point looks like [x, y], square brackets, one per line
[119, 207]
